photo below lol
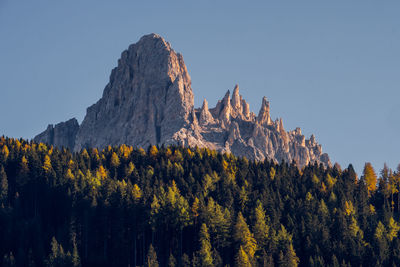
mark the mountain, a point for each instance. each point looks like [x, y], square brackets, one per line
[149, 101]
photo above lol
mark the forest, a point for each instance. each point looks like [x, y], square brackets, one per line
[180, 206]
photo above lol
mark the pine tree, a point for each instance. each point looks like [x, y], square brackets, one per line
[151, 260]
[115, 160]
[205, 255]
[57, 256]
[369, 177]
[5, 152]
[335, 262]
[47, 164]
[3, 187]
[260, 228]
[76, 261]
[185, 261]
[242, 259]
[289, 258]
[23, 172]
[244, 237]
[171, 261]
[392, 229]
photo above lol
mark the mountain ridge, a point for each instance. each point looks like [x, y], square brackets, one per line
[149, 101]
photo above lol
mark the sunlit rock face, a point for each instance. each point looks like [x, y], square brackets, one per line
[149, 100]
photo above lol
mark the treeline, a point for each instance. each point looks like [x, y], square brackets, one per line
[176, 206]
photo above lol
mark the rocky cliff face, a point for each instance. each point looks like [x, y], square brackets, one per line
[61, 135]
[149, 100]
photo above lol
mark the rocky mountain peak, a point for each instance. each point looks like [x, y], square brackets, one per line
[149, 101]
[263, 117]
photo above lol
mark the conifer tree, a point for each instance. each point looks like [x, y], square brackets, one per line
[151, 260]
[57, 255]
[185, 261]
[23, 172]
[260, 228]
[171, 261]
[289, 258]
[244, 237]
[3, 187]
[369, 177]
[47, 164]
[76, 261]
[5, 152]
[392, 229]
[205, 254]
[242, 259]
[115, 160]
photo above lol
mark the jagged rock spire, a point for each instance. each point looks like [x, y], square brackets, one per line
[205, 115]
[246, 109]
[263, 117]
[236, 105]
[225, 114]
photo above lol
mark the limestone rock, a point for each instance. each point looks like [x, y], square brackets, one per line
[205, 114]
[263, 117]
[62, 134]
[149, 100]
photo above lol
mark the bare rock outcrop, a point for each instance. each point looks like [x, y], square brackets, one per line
[149, 100]
[62, 134]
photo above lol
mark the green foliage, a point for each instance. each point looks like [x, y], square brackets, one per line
[3, 187]
[205, 255]
[369, 177]
[242, 259]
[244, 237]
[260, 227]
[58, 258]
[151, 260]
[289, 258]
[198, 207]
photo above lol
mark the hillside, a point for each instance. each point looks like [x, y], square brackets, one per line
[180, 206]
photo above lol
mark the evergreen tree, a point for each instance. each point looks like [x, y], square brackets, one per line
[185, 261]
[57, 256]
[3, 187]
[47, 163]
[151, 260]
[369, 178]
[242, 259]
[260, 227]
[171, 261]
[76, 262]
[244, 237]
[289, 258]
[205, 254]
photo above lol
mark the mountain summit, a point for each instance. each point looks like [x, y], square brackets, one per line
[149, 101]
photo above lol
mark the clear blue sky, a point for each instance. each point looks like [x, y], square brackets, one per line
[330, 67]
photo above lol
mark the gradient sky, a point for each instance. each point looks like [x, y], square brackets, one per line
[329, 67]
